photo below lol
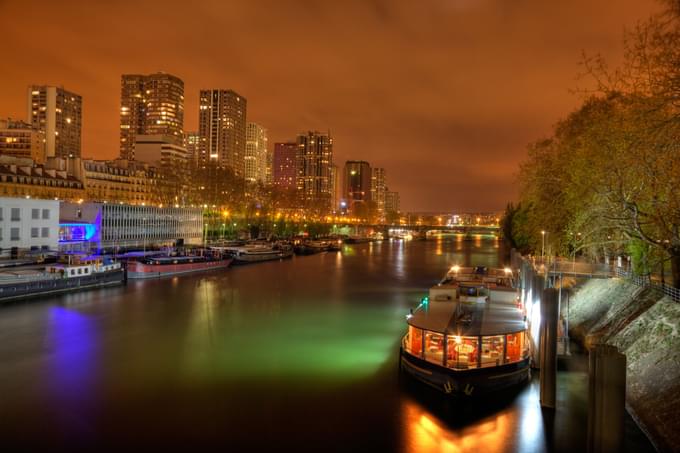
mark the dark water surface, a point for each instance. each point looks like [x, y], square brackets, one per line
[294, 355]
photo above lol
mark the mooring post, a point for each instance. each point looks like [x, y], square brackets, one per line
[548, 347]
[606, 399]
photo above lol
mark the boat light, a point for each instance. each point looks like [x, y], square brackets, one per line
[455, 268]
[507, 270]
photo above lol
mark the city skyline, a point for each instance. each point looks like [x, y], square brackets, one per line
[424, 95]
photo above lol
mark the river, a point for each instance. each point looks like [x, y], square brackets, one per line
[297, 355]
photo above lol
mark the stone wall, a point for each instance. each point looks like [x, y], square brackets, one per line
[645, 327]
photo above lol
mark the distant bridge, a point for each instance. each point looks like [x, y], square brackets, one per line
[433, 229]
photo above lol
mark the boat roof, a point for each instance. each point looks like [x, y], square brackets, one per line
[478, 318]
[493, 313]
[480, 275]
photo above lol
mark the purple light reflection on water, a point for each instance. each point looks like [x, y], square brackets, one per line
[72, 340]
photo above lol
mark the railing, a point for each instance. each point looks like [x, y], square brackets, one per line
[645, 281]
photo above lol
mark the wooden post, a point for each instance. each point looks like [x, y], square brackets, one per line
[548, 348]
[606, 399]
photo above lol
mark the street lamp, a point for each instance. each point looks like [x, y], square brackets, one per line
[542, 243]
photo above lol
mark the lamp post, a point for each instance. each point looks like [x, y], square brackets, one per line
[542, 244]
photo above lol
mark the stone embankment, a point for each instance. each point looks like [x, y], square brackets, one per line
[645, 327]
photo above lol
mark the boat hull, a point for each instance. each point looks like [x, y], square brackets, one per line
[465, 383]
[257, 258]
[139, 270]
[35, 288]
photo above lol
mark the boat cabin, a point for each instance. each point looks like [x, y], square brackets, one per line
[469, 323]
[74, 265]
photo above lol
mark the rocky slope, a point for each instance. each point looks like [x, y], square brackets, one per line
[646, 327]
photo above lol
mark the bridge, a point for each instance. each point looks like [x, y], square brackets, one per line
[429, 229]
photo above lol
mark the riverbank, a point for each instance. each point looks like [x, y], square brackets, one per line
[645, 327]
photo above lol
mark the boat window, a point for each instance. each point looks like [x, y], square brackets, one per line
[461, 352]
[434, 347]
[468, 291]
[492, 350]
[414, 342]
[515, 349]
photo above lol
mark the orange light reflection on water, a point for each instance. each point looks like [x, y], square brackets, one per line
[423, 432]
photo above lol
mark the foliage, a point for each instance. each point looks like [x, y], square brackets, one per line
[608, 175]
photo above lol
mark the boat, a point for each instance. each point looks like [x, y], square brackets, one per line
[357, 239]
[335, 245]
[161, 266]
[258, 253]
[469, 336]
[310, 247]
[70, 273]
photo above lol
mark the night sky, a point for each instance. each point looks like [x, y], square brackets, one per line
[445, 94]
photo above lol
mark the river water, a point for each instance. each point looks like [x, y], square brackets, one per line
[294, 355]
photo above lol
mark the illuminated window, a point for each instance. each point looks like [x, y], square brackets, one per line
[516, 349]
[492, 351]
[461, 352]
[414, 341]
[434, 347]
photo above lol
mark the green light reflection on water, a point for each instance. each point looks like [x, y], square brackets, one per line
[345, 343]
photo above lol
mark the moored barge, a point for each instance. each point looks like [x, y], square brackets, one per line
[468, 337]
[162, 266]
[73, 273]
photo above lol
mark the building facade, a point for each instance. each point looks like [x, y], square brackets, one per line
[120, 180]
[56, 179]
[28, 225]
[314, 159]
[171, 161]
[378, 190]
[357, 184]
[392, 202]
[222, 129]
[284, 169]
[20, 139]
[256, 154]
[57, 113]
[115, 227]
[150, 105]
[191, 144]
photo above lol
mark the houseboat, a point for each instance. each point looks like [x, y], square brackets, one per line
[162, 266]
[70, 273]
[258, 253]
[468, 337]
[310, 247]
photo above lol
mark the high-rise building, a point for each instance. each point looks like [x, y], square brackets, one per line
[256, 154]
[162, 152]
[391, 201]
[222, 128]
[357, 183]
[20, 139]
[58, 114]
[150, 105]
[191, 144]
[284, 171]
[269, 166]
[314, 159]
[336, 189]
[378, 189]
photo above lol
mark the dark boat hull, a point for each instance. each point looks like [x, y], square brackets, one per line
[19, 291]
[465, 383]
[138, 270]
[258, 258]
